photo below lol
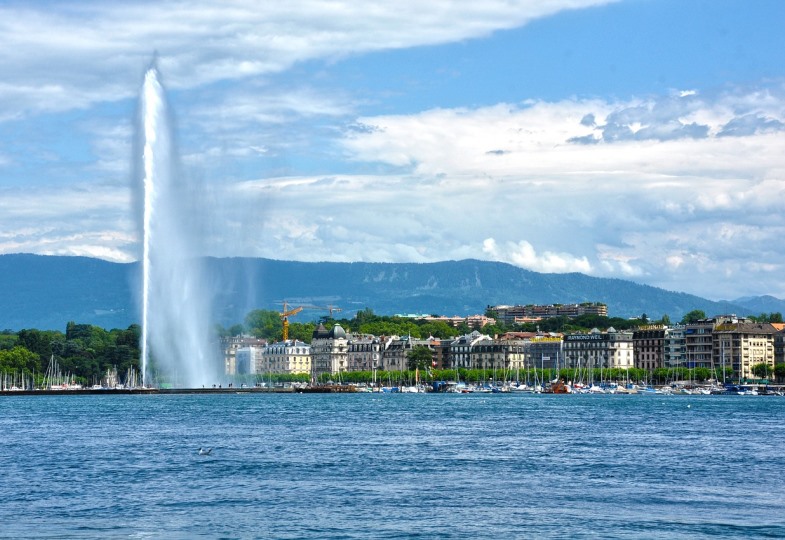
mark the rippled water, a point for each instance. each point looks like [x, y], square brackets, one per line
[391, 465]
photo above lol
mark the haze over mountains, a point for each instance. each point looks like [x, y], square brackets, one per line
[46, 292]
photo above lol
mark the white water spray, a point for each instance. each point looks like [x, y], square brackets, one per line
[175, 300]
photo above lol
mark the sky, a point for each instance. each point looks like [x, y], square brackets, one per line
[634, 139]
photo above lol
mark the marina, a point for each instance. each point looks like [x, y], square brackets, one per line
[452, 387]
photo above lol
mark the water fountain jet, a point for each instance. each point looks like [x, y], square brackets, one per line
[175, 300]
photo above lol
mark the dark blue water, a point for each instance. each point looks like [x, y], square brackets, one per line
[392, 466]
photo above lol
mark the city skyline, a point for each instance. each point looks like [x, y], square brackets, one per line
[632, 139]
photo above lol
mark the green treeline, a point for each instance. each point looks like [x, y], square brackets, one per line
[84, 351]
[529, 375]
[267, 324]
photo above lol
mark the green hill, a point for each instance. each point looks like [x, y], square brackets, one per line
[46, 292]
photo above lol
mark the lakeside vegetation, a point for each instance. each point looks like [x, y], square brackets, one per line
[659, 376]
[86, 352]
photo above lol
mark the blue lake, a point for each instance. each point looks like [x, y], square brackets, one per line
[392, 466]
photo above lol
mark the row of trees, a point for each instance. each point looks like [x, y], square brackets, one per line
[267, 324]
[84, 351]
[529, 376]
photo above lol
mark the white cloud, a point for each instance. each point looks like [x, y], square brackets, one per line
[665, 208]
[499, 183]
[68, 221]
[524, 255]
[65, 55]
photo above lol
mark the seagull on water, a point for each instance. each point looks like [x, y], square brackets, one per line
[205, 451]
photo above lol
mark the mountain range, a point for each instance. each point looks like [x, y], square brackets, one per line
[46, 292]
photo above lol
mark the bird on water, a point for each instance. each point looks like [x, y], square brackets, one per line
[205, 451]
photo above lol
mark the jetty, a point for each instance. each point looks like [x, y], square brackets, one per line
[148, 391]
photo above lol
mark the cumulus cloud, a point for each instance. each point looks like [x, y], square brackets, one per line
[750, 124]
[523, 254]
[81, 220]
[67, 55]
[500, 182]
[655, 207]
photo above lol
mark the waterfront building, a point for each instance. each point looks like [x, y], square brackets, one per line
[742, 345]
[329, 351]
[365, 352]
[229, 346]
[461, 349]
[248, 360]
[497, 354]
[648, 343]
[290, 356]
[611, 349]
[698, 341]
[544, 351]
[779, 343]
[675, 346]
[441, 353]
[395, 357]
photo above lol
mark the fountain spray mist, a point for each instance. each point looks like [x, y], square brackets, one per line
[175, 300]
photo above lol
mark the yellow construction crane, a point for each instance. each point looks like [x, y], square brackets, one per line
[285, 314]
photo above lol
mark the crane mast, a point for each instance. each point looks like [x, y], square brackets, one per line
[287, 312]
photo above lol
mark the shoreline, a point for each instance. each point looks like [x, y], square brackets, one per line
[764, 390]
[145, 391]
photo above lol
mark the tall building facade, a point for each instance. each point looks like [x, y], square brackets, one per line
[461, 349]
[329, 351]
[395, 357]
[248, 360]
[290, 356]
[544, 352]
[365, 352]
[229, 346]
[649, 347]
[743, 345]
[675, 347]
[498, 354]
[697, 343]
[597, 349]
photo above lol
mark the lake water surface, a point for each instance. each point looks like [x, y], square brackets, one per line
[392, 466]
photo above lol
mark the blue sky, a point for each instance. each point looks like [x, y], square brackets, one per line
[638, 139]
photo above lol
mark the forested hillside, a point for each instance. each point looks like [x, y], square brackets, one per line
[46, 292]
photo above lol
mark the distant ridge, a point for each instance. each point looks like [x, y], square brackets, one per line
[46, 292]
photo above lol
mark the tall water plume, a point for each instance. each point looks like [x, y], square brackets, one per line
[175, 301]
